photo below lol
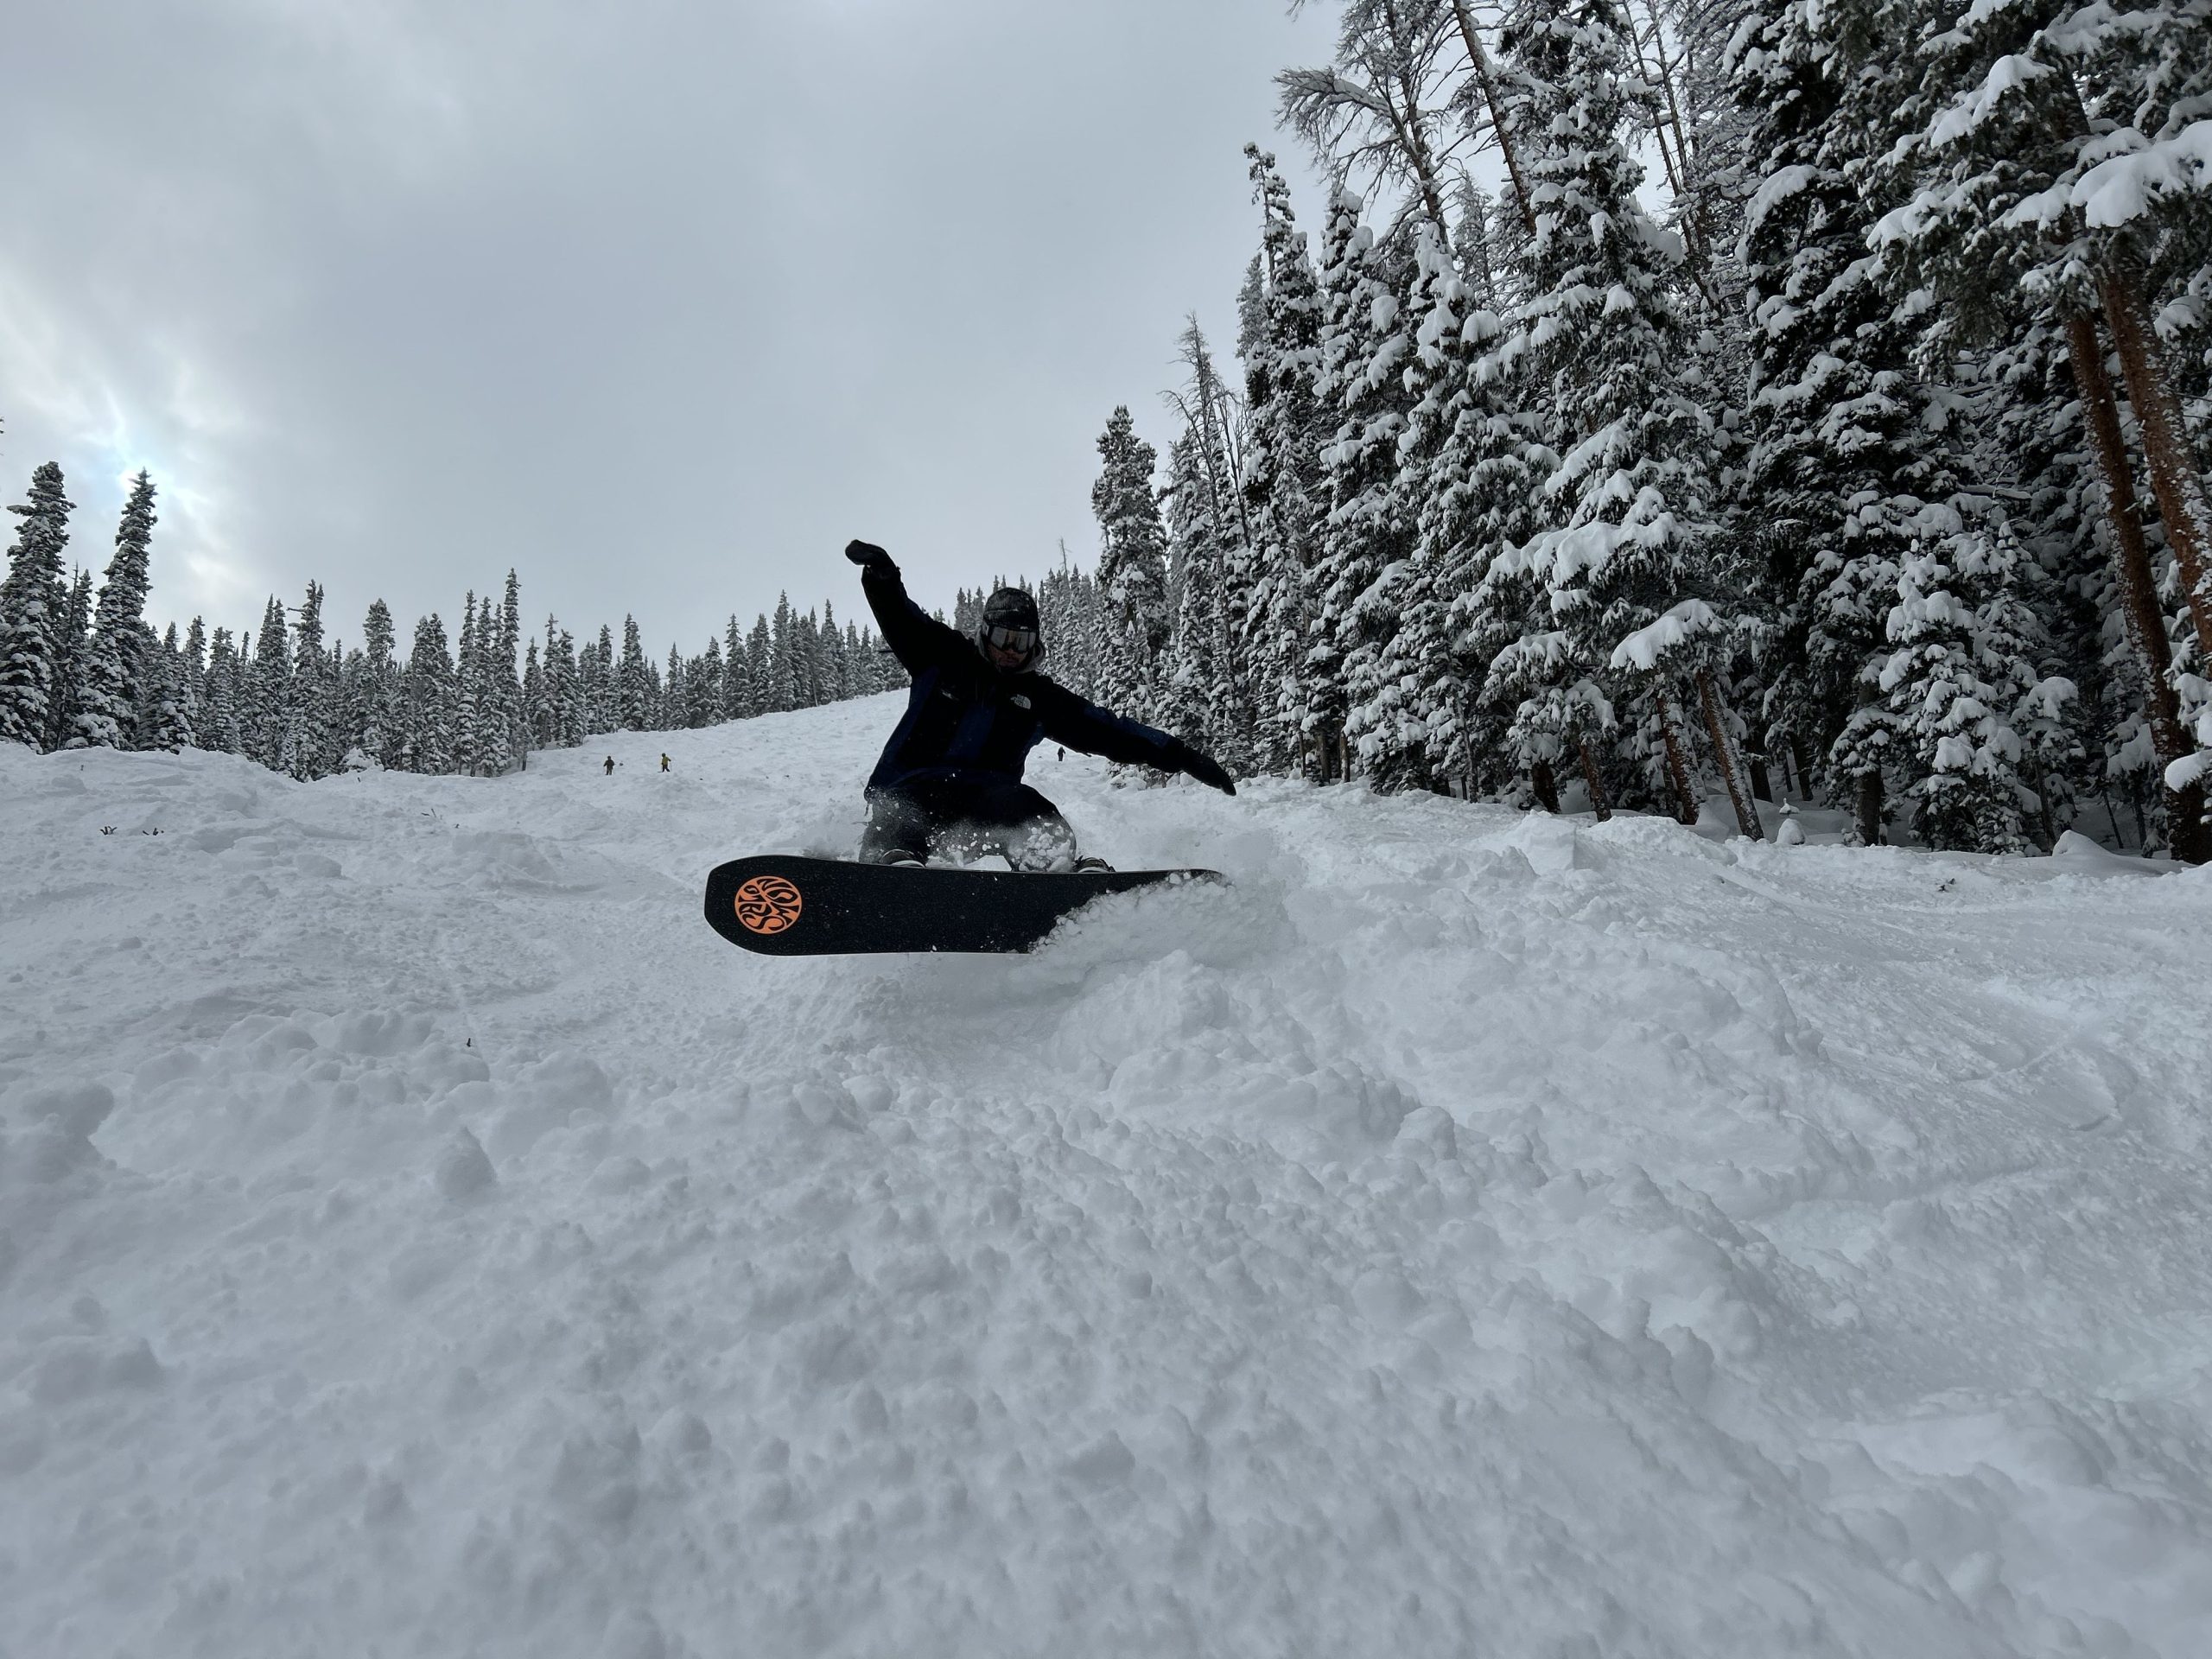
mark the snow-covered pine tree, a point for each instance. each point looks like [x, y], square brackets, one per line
[1132, 566]
[467, 751]
[108, 684]
[1190, 702]
[1962, 681]
[507, 679]
[1214, 423]
[570, 711]
[760, 660]
[1469, 469]
[1279, 340]
[737, 673]
[2046, 149]
[831, 639]
[705, 707]
[73, 649]
[2035, 430]
[269, 709]
[378, 733]
[536, 702]
[194, 667]
[633, 683]
[1625, 571]
[1368, 529]
[1842, 456]
[806, 659]
[427, 689]
[222, 725]
[162, 718]
[314, 725]
[32, 603]
[543, 701]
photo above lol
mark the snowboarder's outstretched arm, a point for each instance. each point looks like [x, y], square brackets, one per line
[1068, 719]
[916, 638]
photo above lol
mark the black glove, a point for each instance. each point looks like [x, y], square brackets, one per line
[872, 559]
[1196, 764]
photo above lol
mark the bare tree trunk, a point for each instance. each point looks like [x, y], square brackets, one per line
[1674, 175]
[2139, 587]
[1869, 805]
[1480, 59]
[1678, 771]
[2042, 805]
[1747, 818]
[2174, 481]
[1546, 785]
[1600, 802]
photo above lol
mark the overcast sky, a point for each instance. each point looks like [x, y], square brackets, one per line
[657, 301]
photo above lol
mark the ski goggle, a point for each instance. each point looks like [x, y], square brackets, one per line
[1020, 641]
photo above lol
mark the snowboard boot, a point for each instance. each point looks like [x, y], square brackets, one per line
[1092, 867]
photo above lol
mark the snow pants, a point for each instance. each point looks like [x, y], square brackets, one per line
[948, 819]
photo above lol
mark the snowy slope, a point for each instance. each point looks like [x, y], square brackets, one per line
[1469, 1233]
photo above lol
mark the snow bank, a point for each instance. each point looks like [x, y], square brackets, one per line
[1467, 1232]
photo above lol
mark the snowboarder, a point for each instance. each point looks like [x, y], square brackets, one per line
[610, 766]
[951, 776]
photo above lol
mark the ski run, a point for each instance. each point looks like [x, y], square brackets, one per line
[1469, 1233]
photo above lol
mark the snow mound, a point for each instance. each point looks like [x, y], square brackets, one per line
[1465, 1232]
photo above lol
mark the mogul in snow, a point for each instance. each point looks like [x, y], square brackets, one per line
[950, 781]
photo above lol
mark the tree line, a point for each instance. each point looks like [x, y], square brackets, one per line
[1871, 469]
[77, 672]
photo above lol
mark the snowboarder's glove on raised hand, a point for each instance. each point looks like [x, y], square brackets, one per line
[872, 559]
[1196, 764]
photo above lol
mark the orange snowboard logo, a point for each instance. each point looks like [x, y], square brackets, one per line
[768, 903]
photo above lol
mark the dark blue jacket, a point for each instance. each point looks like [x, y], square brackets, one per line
[967, 720]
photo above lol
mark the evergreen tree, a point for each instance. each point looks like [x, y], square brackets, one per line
[784, 670]
[1844, 455]
[1132, 565]
[467, 728]
[73, 651]
[109, 687]
[760, 659]
[32, 603]
[162, 718]
[1193, 705]
[737, 673]
[634, 687]
[514, 727]
[1961, 684]
[380, 720]
[1280, 343]
[1625, 571]
[267, 710]
[426, 691]
[566, 673]
[223, 727]
[313, 723]
[830, 651]
[194, 668]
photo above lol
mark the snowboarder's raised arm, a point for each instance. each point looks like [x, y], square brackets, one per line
[1068, 719]
[916, 638]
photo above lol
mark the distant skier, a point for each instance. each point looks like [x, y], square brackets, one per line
[610, 766]
[664, 762]
[950, 777]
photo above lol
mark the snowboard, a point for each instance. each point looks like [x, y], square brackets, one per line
[786, 906]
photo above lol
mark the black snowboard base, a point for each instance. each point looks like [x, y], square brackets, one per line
[792, 906]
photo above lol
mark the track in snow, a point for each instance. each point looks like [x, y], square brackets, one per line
[1468, 1233]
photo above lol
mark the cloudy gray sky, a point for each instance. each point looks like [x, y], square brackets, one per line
[658, 301]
